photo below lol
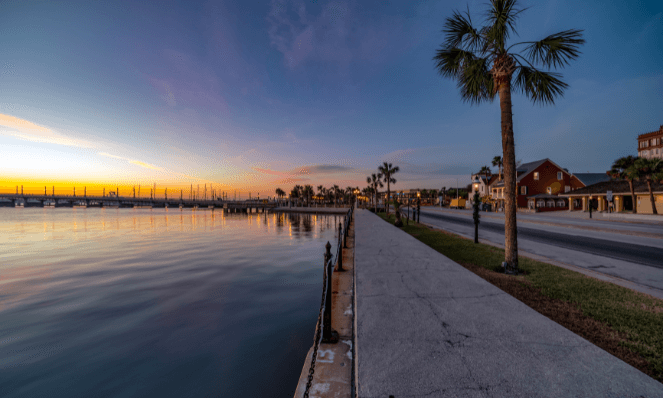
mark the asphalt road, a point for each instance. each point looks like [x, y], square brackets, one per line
[638, 254]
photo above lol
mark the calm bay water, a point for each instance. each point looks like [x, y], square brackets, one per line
[157, 303]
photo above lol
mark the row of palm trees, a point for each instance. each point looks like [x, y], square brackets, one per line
[632, 168]
[305, 195]
[376, 181]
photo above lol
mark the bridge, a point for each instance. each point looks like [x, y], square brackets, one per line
[49, 201]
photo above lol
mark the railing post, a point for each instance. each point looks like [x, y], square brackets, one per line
[340, 252]
[329, 335]
[345, 233]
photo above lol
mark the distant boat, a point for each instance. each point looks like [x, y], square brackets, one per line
[19, 203]
[142, 206]
[81, 204]
[111, 205]
[49, 203]
[181, 206]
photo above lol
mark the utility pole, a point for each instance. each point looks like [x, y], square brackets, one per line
[74, 191]
[44, 190]
[21, 190]
[53, 192]
[104, 194]
[134, 192]
[139, 190]
[85, 192]
[166, 194]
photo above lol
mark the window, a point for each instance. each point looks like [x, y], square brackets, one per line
[549, 190]
[536, 175]
[559, 175]
[523, 190]
[645, 153]
[567, 188]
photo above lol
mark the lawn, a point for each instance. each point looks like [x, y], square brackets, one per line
[623, 322]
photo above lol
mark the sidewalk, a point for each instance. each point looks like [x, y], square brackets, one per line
[426, 326]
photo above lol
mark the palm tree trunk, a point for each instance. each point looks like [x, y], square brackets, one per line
[634, 204]
[509, 159]
[388, 195]
[651, 197]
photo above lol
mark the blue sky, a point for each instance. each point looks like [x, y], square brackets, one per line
[251, 95]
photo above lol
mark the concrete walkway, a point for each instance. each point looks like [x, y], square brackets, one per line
[427, 327]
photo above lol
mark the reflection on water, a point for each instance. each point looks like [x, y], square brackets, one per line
[133, 303]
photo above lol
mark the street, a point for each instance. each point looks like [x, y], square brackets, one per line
[632, 252]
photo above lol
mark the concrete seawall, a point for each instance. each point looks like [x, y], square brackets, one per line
[334, 364]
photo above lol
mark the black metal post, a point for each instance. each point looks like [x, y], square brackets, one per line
[329, 335]
[340, 252]
[345, 233]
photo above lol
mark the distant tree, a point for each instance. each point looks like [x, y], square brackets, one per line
[375, 181]
[622, 169]
[497, 162]
[307, 192]
[484, 64]
[321, 191]
[388, 170]
[280, 193]
[648, 170]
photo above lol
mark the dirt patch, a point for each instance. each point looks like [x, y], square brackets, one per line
[566, 314]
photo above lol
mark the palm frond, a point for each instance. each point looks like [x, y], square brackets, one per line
[501, 18]
[541, 87]
[460, 33]
[557, 49]
[475, 81]
[450, 62]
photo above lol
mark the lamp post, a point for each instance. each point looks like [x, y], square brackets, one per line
[590, 206]
[418, 206]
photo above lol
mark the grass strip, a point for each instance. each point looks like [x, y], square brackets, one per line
[627, 324]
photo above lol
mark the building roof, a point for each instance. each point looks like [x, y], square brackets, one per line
[591, 178]
[652, 134]
[544, 196]
[618, 187]
[525, 169]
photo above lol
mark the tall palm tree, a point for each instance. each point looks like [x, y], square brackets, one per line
[497, 162]
[336, 190]
[484, 64]
[321, 191]
[648, 169]
[307, 192]
[375, 181]
[622, 169]
[388, 170]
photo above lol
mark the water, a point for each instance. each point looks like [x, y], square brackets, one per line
[157, 303]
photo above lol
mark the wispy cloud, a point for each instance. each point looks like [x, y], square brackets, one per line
[132, 161]
[338, 35]
[26, 130]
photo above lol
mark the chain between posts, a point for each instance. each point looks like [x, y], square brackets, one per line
[324, 332]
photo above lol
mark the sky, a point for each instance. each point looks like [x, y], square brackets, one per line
[247, 96]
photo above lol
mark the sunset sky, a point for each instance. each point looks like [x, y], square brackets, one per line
[254, 95]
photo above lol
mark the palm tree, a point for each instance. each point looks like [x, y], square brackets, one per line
[321, 191]
[648, 169]
[307, 192]
[336, 190]
[497, 162]
[280, 193]
[483, 64]
[623, 169]
[387, 171]
[375, 181]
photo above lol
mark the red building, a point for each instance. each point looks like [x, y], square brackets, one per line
[544, 178]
